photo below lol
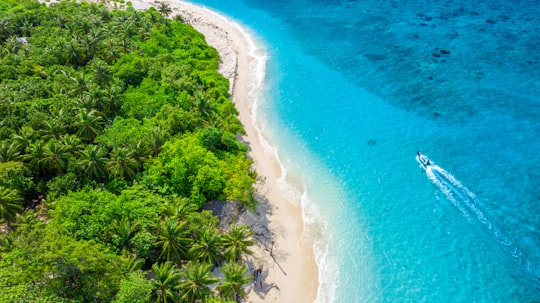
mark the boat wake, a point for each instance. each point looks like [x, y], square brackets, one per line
[467, 203]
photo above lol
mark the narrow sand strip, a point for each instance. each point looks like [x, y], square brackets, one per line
[289, 270]
[290, 273]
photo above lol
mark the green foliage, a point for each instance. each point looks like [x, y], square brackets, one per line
[120, 119]
[135, 289]
[10, 204]
[86, 214]
[57, 268]
[130, 69]
[89, 124]
[165, 282]
[195, 285]
[143, 102]
[91, 162]
[237, 242]
[187, 168]
[236, 275]
[125, 132]
[173, 240]
[208, 248]
[61, 185]
[16, 176]
[240, 179]
[25, 293]
[122, 163]
[122, 222]
[176, 120]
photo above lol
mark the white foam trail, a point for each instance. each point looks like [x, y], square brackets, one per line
[446, 191]
[465, 201]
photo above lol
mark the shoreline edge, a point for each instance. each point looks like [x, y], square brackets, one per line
[290, 270]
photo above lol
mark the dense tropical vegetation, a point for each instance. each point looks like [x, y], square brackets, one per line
[115, 131]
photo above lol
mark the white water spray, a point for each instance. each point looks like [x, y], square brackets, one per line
[469, 206]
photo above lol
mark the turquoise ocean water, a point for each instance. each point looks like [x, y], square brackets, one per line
[354, 88]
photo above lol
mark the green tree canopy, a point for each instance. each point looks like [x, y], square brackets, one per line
[52, 265]
[120, 125]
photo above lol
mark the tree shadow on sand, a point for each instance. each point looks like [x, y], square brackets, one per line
[266, 255]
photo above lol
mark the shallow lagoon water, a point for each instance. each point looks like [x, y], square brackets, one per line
[355, 88]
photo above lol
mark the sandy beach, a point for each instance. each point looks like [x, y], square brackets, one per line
[288, 268]
[289, 273]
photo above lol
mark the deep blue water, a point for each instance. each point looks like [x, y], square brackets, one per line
[355, 88]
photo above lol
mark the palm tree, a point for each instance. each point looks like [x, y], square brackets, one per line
[102, 72]
[134, 264]
[89, 124]
[121, 164]
[12, 45]
[123, 26]
[25, 28]
[215, 120]
[97, 95]
[164, 9]
[236, 276]
[7, 28]
[165, 282]
[55, 157]
[40, 71]
[237, 242]
[144, 30]
[7, 242]
[104, 13]
[52, 130]
[35, 156]
[85, 101]
[202, 101]
[111, 50]
[180, 208]
[194, 285]
[125, 42]
[207, 248]
[9, 151]
[92, 162]
[10, 204]
[157, 139]
[72, 144]
[173, 240]
[80, 84]
[112, 97]
[24, 138]
[123, 232]
[73, 50]
[92, 40]
[214, 299]
[139, 151]
[26, 220]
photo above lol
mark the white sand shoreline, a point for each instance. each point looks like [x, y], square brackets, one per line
[290, 274]
[292, 268]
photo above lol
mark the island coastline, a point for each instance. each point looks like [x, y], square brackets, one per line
[290, 274]
[289, 271]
